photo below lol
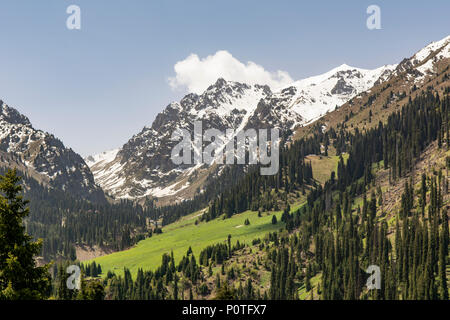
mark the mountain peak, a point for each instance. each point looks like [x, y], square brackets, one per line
[46, 156]
[220, 82]
[223, 85]
[424, 61]
[12, 116]
[422, 54]
[101, 157]
[344, 66]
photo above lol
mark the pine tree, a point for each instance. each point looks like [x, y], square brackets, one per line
[274, 219]
[175, 288]
[443, 252]
[20, 278]
[62, 291]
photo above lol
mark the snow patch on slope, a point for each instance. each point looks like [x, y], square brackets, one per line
[306, 100]
[422, 54]
[440, 49]
[104, 157]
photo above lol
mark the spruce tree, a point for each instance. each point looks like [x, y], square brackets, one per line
[274, 219]
[20, 278]
[443, 252]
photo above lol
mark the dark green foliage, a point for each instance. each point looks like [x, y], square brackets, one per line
[253, 191]
[20, 278]
[64, 221]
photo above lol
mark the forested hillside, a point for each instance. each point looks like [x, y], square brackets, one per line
[386, 205]
[66, 222]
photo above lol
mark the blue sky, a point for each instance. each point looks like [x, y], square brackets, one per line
[96, 87]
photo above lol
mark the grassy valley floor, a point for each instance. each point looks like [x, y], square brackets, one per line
[181, 235]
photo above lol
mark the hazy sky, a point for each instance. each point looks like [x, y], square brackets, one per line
[96, 87]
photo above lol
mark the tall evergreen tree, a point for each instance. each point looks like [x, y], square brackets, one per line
[20, 278]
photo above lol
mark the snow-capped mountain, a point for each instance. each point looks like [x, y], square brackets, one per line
[307, 100]
[425, 61]
[101, 158]
[45, 155]
[142, 167]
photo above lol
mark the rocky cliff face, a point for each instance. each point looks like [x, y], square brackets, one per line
[309, 99]
[143, 167]
[45, 155]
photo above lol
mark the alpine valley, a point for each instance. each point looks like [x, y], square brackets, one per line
[363, 180]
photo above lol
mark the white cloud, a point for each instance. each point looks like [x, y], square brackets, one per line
[196, 75]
